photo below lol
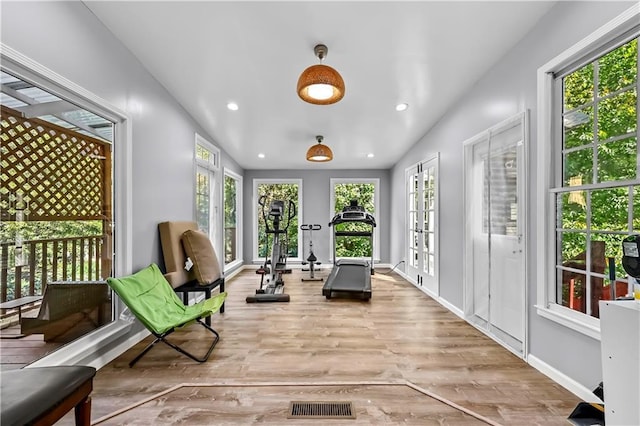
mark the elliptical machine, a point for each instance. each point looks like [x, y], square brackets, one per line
[312, 260]
[272, 290]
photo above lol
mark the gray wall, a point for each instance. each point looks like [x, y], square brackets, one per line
[316, 193]
[86, 53]
[508, 88]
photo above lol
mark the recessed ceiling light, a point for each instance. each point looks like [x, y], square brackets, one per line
[261, 155]
[232, 106]
[370, 155]
[402, 107]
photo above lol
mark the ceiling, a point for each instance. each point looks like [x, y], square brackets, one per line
[423, 53]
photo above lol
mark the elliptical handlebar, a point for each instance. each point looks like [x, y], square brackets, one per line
[277, 212]
[293, 212]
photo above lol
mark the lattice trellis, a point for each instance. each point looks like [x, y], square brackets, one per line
[59, 173]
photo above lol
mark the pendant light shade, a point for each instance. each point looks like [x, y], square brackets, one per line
[319, 153]
[320, 84]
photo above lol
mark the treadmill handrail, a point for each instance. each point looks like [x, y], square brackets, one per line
[351, 216]
[353, 233]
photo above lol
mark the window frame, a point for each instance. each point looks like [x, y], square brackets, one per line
[239, 256]
[256, 211]
[376, 203]
[586, 50]
[29, 70]
[212, 168]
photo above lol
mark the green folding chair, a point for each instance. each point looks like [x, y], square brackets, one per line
[150, 297]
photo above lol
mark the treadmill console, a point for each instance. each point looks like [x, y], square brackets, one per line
[352, 216]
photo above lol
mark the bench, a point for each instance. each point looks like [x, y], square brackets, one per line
[64, 304]
[19, 303]
[43, 395]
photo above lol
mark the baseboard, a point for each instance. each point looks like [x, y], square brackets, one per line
[563, 380]
[453, 308]
[106, 343]
[446, 304]
[297, 265]
[234, 272]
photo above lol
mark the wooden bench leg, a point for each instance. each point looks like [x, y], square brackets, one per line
[83, 412]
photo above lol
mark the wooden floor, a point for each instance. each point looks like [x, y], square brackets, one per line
[17, 352]
[400, 335]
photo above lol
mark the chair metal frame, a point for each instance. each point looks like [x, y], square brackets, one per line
[162, 338]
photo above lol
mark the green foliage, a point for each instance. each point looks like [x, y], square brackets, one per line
[38, 231]
[285, 192]
[613, 155]
[202, 200]
[48, 230]
[364, 193]
[230, 217]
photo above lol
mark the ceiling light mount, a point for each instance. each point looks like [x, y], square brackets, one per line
[319, 153]
[320, 84]
[321, 51]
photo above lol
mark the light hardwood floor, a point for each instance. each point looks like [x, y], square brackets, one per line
[400, 335]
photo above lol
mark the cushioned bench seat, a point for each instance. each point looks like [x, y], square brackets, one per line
[43, 395]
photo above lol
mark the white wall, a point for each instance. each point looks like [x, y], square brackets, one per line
[68, 39]
[508, 88]
[316, 193]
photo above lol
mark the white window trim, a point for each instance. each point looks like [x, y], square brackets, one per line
[409, 171]
[239, 214]
[215, 202]
[545, 218]
[213, 149]
[376, 195]
[256, 212]
[27, 69]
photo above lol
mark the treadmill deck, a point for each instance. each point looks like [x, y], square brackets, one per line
[349, 276]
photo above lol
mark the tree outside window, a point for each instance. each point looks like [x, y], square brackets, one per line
[598, 194]
[278, 191]
[364, 194]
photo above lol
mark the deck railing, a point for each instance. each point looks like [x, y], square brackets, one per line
[48, 260]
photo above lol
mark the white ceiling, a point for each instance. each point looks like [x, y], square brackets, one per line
[424, 53]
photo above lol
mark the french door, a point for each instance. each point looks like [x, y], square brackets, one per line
[422, 224]
[494, 235]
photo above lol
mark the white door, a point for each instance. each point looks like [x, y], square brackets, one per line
[422, 224]
[494, 239]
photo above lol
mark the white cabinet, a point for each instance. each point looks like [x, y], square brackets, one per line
[620, 339]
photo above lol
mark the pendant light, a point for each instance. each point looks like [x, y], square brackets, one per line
[319, 153]
[320, 84]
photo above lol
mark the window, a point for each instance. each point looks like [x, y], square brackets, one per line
[289, 191]
[589, 127]
[207, 189]
[62, 150]
[365, 191]
[232, 217]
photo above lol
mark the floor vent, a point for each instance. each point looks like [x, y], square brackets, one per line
[321, 410]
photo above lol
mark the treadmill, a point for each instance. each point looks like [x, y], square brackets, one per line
[351, 276]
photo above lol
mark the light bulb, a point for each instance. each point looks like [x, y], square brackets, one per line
[320, 91]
